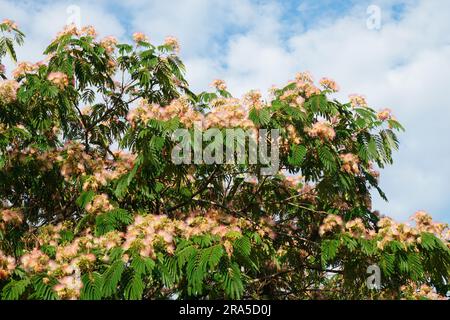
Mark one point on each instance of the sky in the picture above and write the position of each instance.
(396, 53)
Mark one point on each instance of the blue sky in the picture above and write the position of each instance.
(403, 65)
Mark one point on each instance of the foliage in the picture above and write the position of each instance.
(93, 207)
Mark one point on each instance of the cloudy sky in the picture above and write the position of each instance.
(395, 52)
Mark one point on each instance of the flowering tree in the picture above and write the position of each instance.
(94, 207)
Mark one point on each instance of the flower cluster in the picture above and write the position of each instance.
(289, 95)
(294, 99)
(252, 100)
(293, 135)
(180, 108)
(219, 84)
(75, 161)
(350, 163)
(293, 182)
(24, 68)
(424, 291)
(96, 171)
(10, 216)
(391, 230)
(265, 227)
(424, 223)
(329, 84)
(140, 37)
(173, 43)
(331, 223)
(68, 30)
(357, 229)
(100, 204)
(150, 231)
(35, 261)
(59, 79)
(388, 230)
(73, 30)
(106, 170)
(227, 113)
(307, 192)
(322, 130)
(305, 83)
(147, 235)
(8, 91)
(89, 31)
(384, 114)
(70, 258)
(50, 234)
(65, 268)
(7, 265)
(10, 24)
(109, 44)
(92, 169)
(357, 101)
(69, 287)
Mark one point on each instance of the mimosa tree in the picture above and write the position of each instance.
(93, 205)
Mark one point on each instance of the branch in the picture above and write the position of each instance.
(199, 191)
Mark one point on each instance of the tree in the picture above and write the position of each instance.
(94, 207)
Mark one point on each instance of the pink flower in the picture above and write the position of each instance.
(70, 29)
(109, 43)
(219, 84)
(10, 24)
(357, 100)
(330, 223)
(384, 114)
(329, 84)
(13, 216)
(321, 129)
(59, 79)
(24, 68)
(8, 90)
(140, 37)
(172, 42)
(350, 163)
(89, 31)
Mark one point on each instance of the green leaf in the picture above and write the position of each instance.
(84, 198)
(232, 283)
(14, 289)
(125, 180)
(134, 288)
(329, 250)
(327, 158)
(92, 286)
(298, 153)
(43, 290)
(243, 246)
(111, 278)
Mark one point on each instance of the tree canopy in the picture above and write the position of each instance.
(94, 207)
